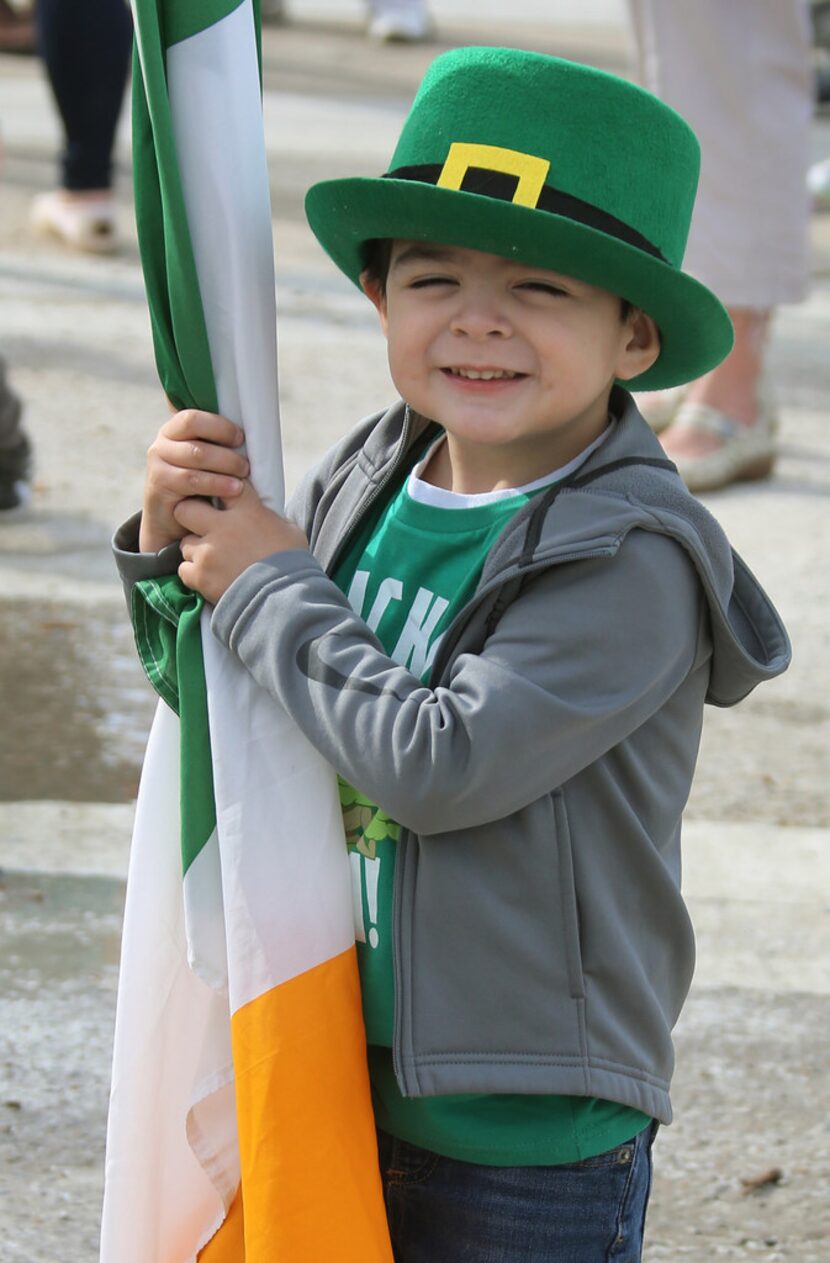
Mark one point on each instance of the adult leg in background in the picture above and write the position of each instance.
(741, 74)
(85, 46)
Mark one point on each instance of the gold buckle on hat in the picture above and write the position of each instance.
(530, 171)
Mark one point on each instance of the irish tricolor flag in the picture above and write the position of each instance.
(240, 1121)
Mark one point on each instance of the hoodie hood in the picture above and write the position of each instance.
(629, 484)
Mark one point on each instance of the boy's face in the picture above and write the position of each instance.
(515, 362)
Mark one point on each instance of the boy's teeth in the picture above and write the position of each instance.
(487, 376)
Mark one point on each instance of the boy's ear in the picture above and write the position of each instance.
(373, 290)
(641, 347)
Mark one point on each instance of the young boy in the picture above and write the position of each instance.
(497, 612)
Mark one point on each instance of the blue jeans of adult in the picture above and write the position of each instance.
(85, 46)
(444, 1211)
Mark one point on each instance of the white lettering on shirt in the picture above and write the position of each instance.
(389, 590)
(413, 649)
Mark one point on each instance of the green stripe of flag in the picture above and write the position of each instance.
(176, 313)
(166, 615)
(166, 619)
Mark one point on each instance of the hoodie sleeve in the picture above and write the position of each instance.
(585, 655)
(134, 565)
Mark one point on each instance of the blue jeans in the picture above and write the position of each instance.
(444, 1211)
(86, 47)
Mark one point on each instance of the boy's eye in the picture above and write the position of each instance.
(423, 282)
(544, 287)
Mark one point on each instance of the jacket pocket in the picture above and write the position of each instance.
(568, 901)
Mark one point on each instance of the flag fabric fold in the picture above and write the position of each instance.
(240, 1124)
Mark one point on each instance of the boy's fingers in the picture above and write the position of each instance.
(197, 516)
(188, 545)
(187, 574)
(199, 454)
(246, 494)
(192, 423)
(196, 482)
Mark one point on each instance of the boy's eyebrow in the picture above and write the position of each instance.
(424, 253)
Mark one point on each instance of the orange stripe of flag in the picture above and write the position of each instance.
(228, 1244)
(307, 1141)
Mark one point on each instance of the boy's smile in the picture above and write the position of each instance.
(515, 362)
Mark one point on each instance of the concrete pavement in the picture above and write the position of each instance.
(751, 1087)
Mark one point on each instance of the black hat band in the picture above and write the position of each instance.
(501, 185)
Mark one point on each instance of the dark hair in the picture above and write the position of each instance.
(378, 255)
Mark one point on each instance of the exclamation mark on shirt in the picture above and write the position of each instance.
(371, 874)
(357, 863)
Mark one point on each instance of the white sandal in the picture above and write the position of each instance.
(745, 453)
(89, 226)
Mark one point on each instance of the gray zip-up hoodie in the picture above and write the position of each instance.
(541, 941)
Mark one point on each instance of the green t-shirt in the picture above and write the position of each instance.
(417, 569)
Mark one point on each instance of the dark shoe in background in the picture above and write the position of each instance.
(15, 451)
(820, 15)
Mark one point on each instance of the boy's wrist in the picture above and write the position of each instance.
(133, 563)
(151, 538)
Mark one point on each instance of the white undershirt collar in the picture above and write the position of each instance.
(439, 498)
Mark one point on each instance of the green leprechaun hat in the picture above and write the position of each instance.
(556, 165)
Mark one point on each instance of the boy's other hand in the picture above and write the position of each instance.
(218, 544)
(194, 454)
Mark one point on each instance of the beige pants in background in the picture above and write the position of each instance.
(740, 72)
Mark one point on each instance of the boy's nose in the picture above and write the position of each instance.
(479, 316)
